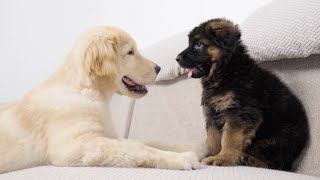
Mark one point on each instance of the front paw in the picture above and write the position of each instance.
(180, 161)
(221, 160)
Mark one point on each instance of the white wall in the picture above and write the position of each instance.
(36, 34)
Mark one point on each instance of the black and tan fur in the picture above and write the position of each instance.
(252, 118)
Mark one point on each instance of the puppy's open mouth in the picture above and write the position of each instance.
(194, 72)
(134, 87)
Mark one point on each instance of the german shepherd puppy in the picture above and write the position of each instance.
(252, 118)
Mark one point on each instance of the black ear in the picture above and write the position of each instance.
(223, 32)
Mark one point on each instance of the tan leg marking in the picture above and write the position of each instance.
(213, 140)
(234, 140)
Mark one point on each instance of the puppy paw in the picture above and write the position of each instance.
(192, 160)
(180, 161)
(221, 160)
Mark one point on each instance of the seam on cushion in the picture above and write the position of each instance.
(129, 119)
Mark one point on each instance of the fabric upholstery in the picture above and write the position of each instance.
(121, 110)
(170, 113)
(164, 54)
(283, 29)
(96, 173)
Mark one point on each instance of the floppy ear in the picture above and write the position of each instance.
(100, 57)
(223, 32)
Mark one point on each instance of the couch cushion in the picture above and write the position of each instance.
(96, 173)
(120, 112)
(283, 29)
(164, 54)
(171, 112)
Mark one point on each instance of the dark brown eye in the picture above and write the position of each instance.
(198, 45)
(130, 52)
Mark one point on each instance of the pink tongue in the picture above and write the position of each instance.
(191, 72)
(129, 82)
(143, 87)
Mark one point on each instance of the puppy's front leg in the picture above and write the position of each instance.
(213, 140)
(101, 151)
(237, 135)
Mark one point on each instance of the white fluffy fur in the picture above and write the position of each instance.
(61, 121)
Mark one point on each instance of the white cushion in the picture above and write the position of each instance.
(96, 173)
(171, 113)
(120, 113)
(164, 54)
(283, 29)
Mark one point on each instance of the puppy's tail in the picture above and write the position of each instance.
(201, 150)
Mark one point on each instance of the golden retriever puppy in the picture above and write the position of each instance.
(61, 121)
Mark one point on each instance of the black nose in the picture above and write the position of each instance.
(157, 68)
(178, 58)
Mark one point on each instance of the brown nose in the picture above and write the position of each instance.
(157, 68)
